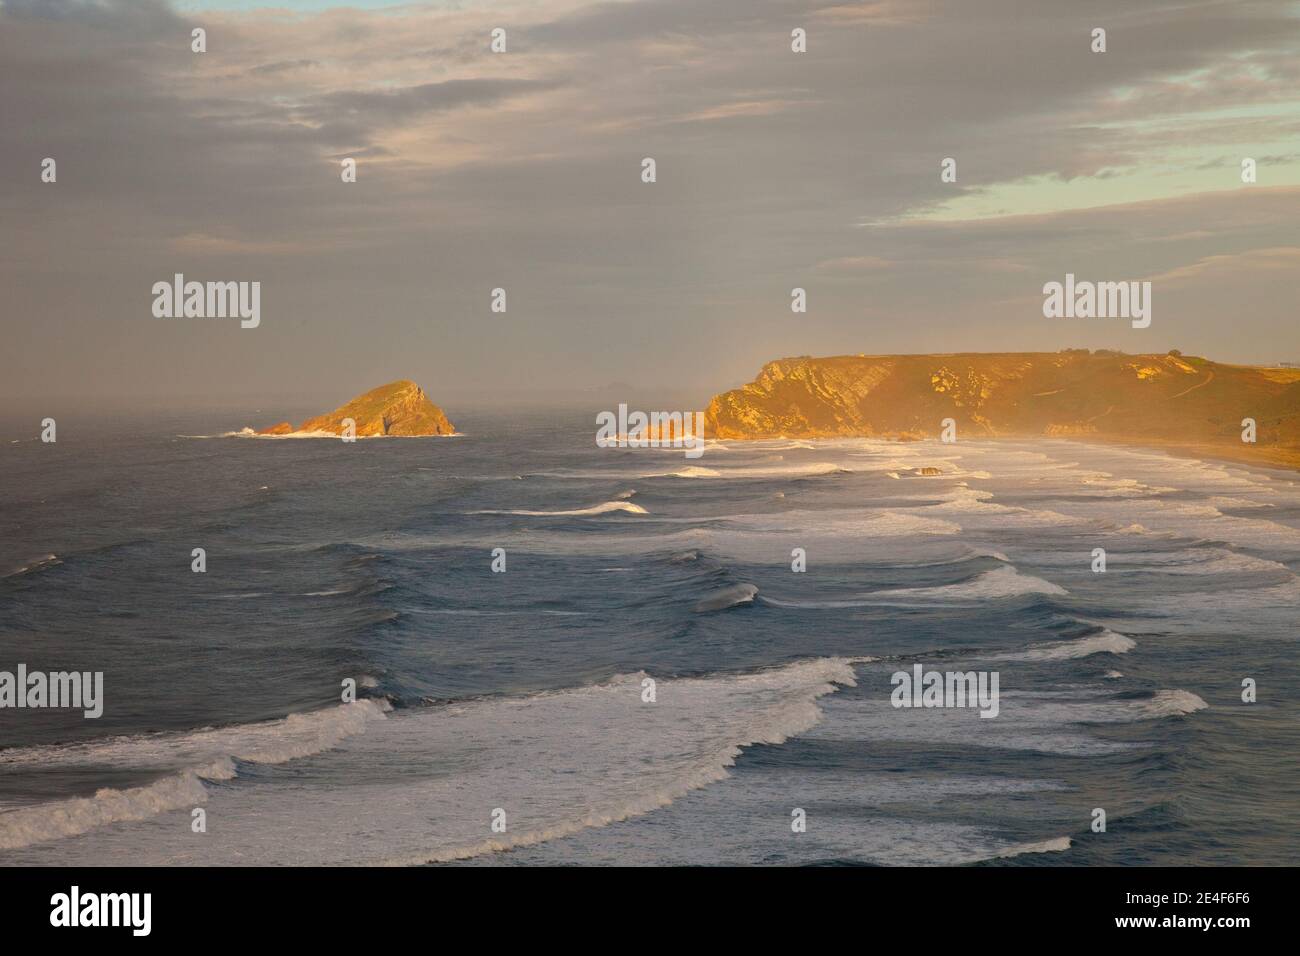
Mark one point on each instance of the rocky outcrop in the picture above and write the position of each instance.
(1167, 400)
(399, 408)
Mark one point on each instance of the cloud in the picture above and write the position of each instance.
(1236, 267)
(522, 170)
(390, 107)
(266, 69)
(857, 264)
(738, 109)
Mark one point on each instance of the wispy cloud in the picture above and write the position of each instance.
(775, 169)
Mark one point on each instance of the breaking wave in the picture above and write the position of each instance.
(1106, 642)
(556, 762)
(38, 564)
(600, 509)
(203, 755)
(727, 597)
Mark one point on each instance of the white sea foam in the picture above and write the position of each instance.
(882, 537)
(1000, 582)
(1033, 720)
(1173, 703)
(1206, 561)
(247, 432)
(727, 597)
(25, 826)
(1105, 642)
(421, 785)
(187, 759)
(1056, 845)
(761, 469)
(809, 470)
(33, 565)
(732, 823)
(1233, 502)
(977, 511)
(270, 741)
(1193, 474)
(1195, 520)
(603, 508)
(843, 522)
(1105, 485)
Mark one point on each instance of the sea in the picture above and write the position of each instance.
(572, 655)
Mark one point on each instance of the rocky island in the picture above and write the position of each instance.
(399, 409)
(1171, 400)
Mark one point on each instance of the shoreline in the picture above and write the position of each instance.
(1269, 457)
(1287, 460)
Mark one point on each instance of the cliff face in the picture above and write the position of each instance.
(398, 408)
(1157, 399)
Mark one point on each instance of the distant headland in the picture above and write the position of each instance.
(1179, 402)
(397, 409)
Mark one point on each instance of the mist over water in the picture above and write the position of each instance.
(523, 690)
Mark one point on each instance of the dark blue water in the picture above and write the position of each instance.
(523, 691)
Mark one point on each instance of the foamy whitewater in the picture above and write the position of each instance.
(525, 692)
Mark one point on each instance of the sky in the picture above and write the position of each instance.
(522, 170)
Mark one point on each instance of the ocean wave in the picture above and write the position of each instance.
(1056, 845)
(1040, 721)
(810, 470)
(777, 704)
(33, 566)
(1198, 522)
(1173, 703)
(600, 509)
(1106, 485)
(1001, 582)
(1158, 705)
(65, 818)
(727, 597)
(421, 786)
(970, 503)
(1208, 561)
(247, 432)
(855, 523)
(1231, 502)
(364, 588)
(1195, 474)
(1105, 642)
(202, 755)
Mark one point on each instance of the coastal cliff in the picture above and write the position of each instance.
(399, 408)
(1160, 400)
